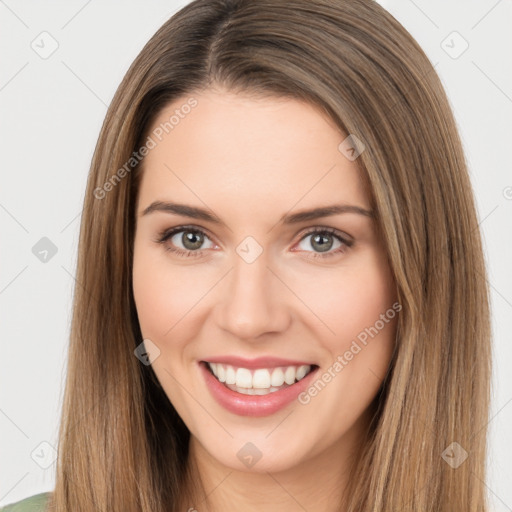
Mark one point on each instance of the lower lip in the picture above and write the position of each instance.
(254, 405)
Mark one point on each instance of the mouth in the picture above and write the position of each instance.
(259, 381)
(258, 388)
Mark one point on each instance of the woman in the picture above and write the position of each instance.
(282, 289)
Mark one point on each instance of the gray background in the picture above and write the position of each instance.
(51, 112)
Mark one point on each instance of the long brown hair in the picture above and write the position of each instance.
(122, 446)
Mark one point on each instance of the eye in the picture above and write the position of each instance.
(185, 241)
(189, 241)
(322, 240)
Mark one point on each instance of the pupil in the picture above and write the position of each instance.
(322, 246)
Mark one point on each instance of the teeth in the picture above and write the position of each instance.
(289, 375)
(221, 373)
(302, 371)
(258, 382)
(277, 377)
(230, 375)
(243, 378)
(261, 379)
(251, 391)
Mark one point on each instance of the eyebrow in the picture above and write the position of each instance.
(294, 218)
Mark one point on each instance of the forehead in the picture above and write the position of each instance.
(236, 148)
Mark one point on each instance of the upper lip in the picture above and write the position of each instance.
(258, 362)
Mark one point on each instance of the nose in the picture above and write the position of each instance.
(253, 301)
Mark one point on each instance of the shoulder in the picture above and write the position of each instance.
(35, 503)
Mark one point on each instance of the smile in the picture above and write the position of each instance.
(261, 381)
(267, 386)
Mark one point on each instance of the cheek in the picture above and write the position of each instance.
(358, 309)
(350, 299)
(162, 296)
(366, 298)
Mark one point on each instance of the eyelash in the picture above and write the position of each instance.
(169, 233)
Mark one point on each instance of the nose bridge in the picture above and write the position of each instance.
(251, 304)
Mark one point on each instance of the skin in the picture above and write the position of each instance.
(250, 161)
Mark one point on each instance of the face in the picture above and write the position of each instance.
(273, 326)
